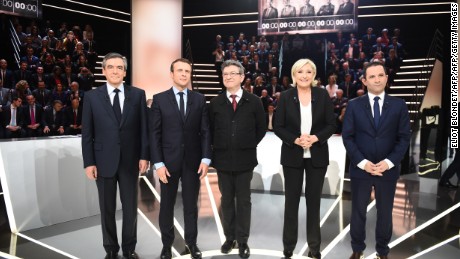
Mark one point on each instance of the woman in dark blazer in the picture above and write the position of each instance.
(304, 122)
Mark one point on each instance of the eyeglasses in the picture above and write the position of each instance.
(231, 74)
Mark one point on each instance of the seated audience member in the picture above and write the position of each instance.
(243, 52)
(319, 83)
(55, 78)
(270, 116)
(252, 52)
(266, 99)
(397, 47)
(73, 115)
(258, 86)
(83, 62)
(85, 79)
(215, 43)
(22, 73)
(339, 101)
(31, 60)
(378, 46)
(48, 63)
(36, 38)
(52, 40)
(346, 70)
(33, 117)
(54, 120)
(59, 53)
(263, 41)
(240, 41)
(392, 64)
(257, 65)
(248, 85)
(79, 51)
(21, 90)
(90, 47)
(348, 87)
(5, 94)
(42, 95)
(360, 92)
(59, 94)
(378, 57)
(275, 52)
(359, 64)
(263, 53)
(39, 75)
(385, 37)
(6, 75)
(21, 34)
(69, 43)
(273, 87)
(351, 48)
(271, 64)
(74, 92)
(68, 77)
(276, 98)
(44, 49)
(331, 86)
(286, 83)
(230, 51)
(369, 40)
(13, 119)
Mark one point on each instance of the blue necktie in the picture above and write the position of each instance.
(376, 111)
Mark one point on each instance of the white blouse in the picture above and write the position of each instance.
(305, 124)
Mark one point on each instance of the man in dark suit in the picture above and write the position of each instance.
(73, 114)
(346, 8)
(270, 12)
(351, 48)
(115, 149)
(307, 9)
(13, 119)
(42, 95)
(33, 117)
(54, 120)
(39, 75)
(288, 10)
(327, 9)
(180, 145)
(22, 73)
(6, 75)
(238, 125)
(376, 135)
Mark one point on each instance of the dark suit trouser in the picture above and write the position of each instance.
(384, 196)
(190, 189)
(293, 181)
(235, 188)
(107, 189)
(453, 168)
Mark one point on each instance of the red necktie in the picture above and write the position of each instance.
(234, 103)
(32, 115)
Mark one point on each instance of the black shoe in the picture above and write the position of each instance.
(448, 184)
(194, 251)
(314, 255)
(166, 253)
(111, 255)
(227, 246)
(244, 251)
(288, 253)
(130, 255)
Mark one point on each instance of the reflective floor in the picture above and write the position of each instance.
(425, 226)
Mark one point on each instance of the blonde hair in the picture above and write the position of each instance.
(298, 65)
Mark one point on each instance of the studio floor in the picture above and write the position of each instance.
(424, 226)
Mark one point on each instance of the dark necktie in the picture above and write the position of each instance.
(376, 111)
(181, 103)
(32, 115)
(116, 105)
(234, 103)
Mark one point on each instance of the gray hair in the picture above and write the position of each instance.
(112, 55)
(230, 62)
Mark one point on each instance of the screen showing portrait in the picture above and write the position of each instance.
(307, 16)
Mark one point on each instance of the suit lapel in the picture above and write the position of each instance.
(296, 102)
(367, 109)
(104, 96)
(127, 104)
(385, 107)
(190, 96)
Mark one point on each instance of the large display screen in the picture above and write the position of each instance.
(307, 16)
(25, 8)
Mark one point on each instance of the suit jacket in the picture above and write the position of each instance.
(176, 140)
(5, 96)
(355, 50)
(6, 116)
(346, 8)
(38, 115)
(270, 13)
(53, 122)
(236, 134)
(8, 79)
(363, 140)
(43, 99)
(287, 126)
(307, 10)
(26, 75)
(105, 140)
(69, 116)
